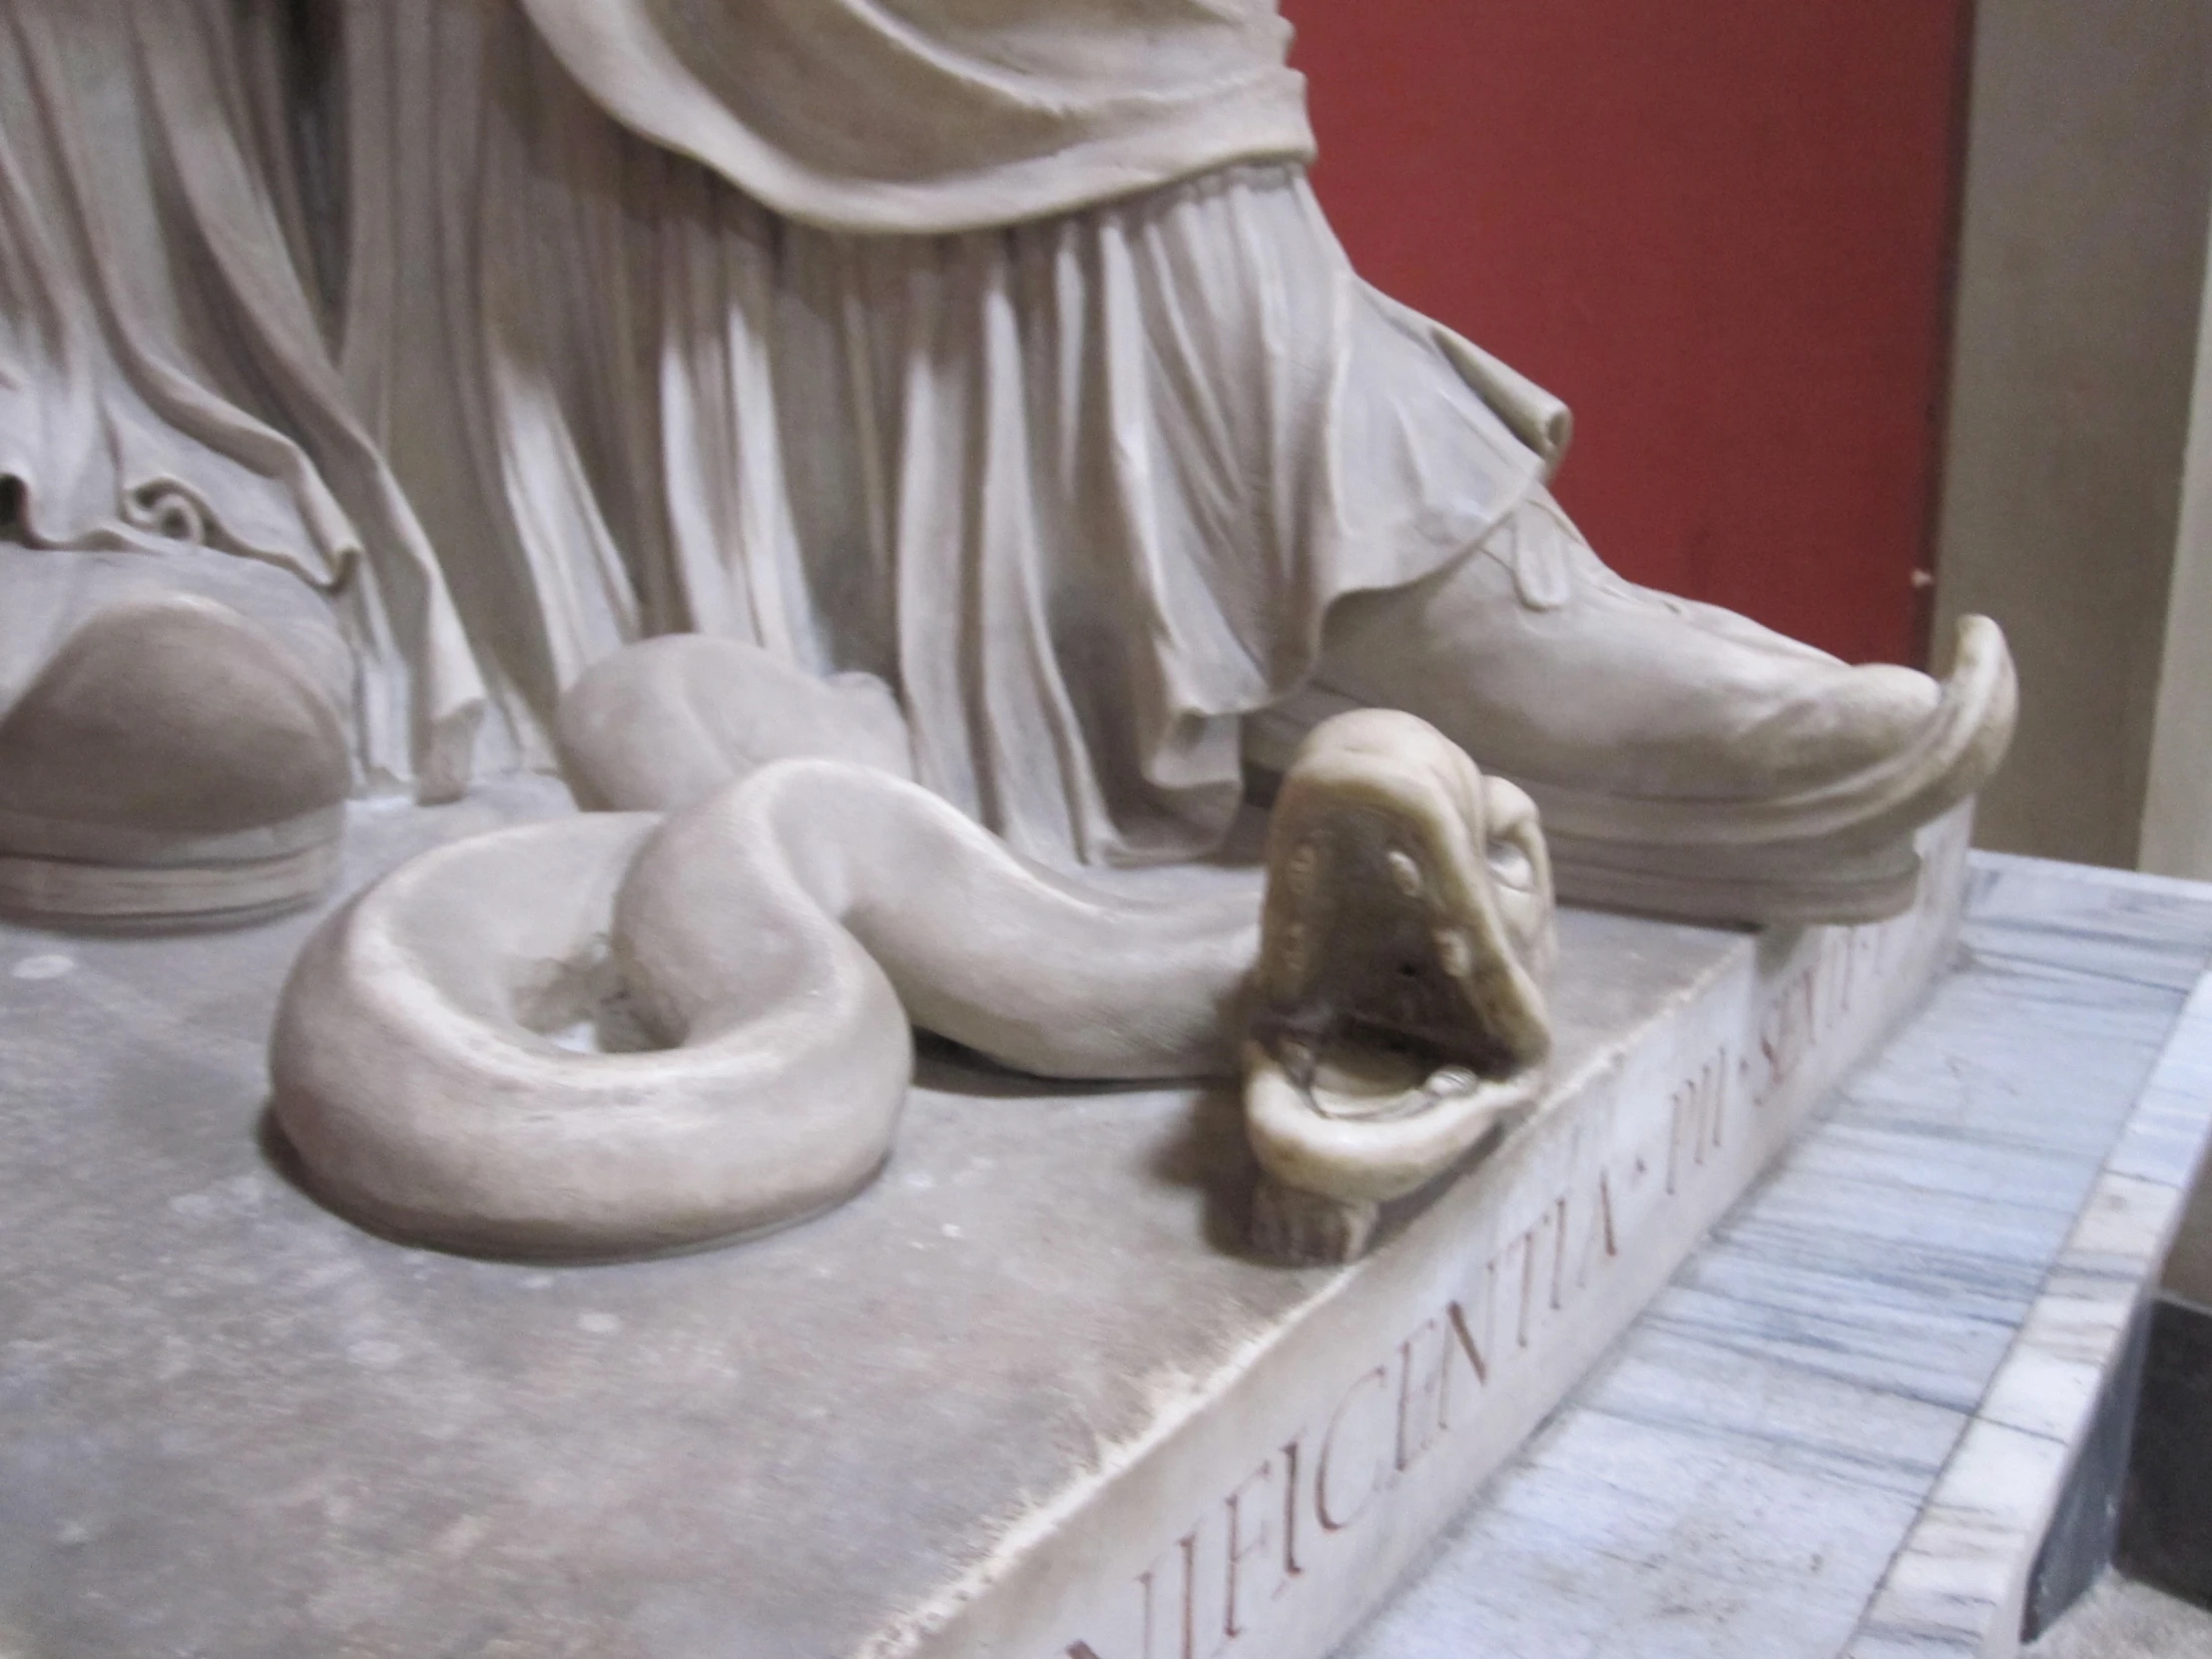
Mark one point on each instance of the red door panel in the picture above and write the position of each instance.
(1721, 230)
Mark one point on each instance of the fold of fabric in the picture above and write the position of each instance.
(1079, 489)
(165, 382)
(914, 116)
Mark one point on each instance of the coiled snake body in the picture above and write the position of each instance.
(627, 1032)
(760, 954)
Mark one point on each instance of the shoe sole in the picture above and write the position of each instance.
(1806, 886)
(80, 893)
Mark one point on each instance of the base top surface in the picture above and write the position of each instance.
(236, 1425)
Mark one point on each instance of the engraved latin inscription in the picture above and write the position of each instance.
(1207, 1589)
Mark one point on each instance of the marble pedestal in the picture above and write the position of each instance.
(1023, 1397)
(1884, 1409)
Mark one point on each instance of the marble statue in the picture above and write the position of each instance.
(631, 1032)
(1006, 473)
(1398, 998)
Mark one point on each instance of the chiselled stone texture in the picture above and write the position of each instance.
(1019, 1391)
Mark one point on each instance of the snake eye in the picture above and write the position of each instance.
(1510, 865)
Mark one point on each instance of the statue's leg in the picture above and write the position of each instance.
(173, 423)
(1686, 759)
(171, 743)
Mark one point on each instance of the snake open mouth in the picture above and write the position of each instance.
(1388, 1014)
(1398, 1012)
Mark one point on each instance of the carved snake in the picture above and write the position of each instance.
(624, 1033)
(772, 945)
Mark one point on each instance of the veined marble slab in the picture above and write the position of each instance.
(1843, 1427)
(1021, 1398)
(1959, 1585)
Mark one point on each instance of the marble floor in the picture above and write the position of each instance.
(2123, 1620)
(1842, 1427)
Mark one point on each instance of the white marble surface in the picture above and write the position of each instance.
(1842, 1427)
(1108, 446)
(1269, 1500)
(1017, 1394)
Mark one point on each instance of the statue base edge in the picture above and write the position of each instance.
(1024, 1397)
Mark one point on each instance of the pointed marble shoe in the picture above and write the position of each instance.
(1840, 849)
(171, 763)
(1398, 1012)
(1833, 846)
(1687, 760)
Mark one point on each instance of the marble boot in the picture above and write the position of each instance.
(1687, 761)
(173, 761)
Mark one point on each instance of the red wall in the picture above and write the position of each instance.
(1720, 231)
